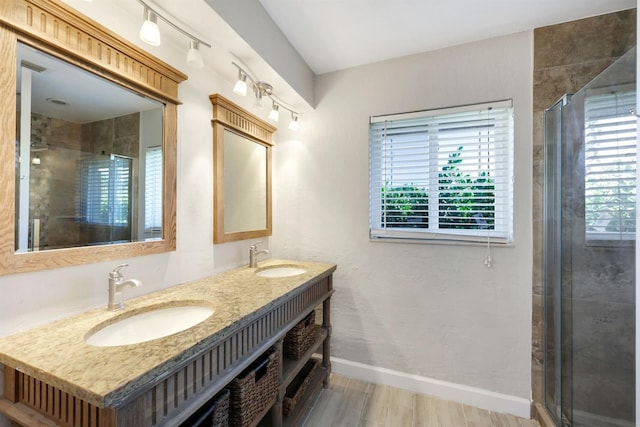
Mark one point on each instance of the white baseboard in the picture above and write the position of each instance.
(473, 396)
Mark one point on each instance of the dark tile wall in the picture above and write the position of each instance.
(53, 182)
(566, 57)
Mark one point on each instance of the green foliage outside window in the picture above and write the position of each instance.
(465, 202)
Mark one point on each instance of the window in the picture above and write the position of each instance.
(104, 191)
(610, 165)
(442, 174)
(153, 191)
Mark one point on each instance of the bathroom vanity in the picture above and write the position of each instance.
(52, 376)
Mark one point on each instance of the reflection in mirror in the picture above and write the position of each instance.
(245, 184)
(88, 158)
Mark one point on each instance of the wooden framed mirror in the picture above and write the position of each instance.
(242, 146)
(59, 141)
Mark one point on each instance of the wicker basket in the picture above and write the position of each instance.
(214, 413)
(298, 386)
(254, 389)
(301, 337)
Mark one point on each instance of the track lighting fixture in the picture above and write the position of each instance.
(241, 85)
(274, 114)
(150, 34)
(194, 57)
(293, 125)
(262, 90)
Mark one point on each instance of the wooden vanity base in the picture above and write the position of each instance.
(175, 395)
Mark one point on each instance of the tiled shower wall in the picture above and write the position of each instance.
(566, 57)
(53, 181)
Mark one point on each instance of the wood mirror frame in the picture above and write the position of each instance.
(60, 31)
(228, 116)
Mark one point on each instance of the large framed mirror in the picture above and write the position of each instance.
(242, 146)
(89, 142)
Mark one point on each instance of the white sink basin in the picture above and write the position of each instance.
(149, 325)
(280, 271)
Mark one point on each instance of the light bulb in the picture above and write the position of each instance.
(241, 85)
(258, 103)
(294, 122)
(274, 114)
(194, 57)
(149, 32)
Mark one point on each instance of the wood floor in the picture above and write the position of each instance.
(354, 403)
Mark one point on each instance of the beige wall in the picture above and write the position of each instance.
(429, 310)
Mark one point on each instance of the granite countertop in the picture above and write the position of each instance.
(57, 354)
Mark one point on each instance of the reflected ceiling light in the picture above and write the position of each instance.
(241, 85)
(262, 90)
(274, 114)
(293, 125)
(194, 57)
(35, 160)
(150, 33)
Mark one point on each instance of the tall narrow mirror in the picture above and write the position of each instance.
(242, 162)
(88, 158)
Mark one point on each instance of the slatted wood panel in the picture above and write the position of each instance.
(63, 408)
(231, 115)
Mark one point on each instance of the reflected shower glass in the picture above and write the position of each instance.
(98, 175)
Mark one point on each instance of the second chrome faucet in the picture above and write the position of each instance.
(116, 288)
(253, 254)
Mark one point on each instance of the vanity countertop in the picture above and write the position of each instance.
(57, 354)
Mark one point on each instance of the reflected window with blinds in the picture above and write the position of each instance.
(104, 191)
(610, 165)
(153, 192)
(443, 174)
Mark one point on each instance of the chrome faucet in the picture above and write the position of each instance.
(253, 254)
(116, 288)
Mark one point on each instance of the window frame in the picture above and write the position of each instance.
(502, 141)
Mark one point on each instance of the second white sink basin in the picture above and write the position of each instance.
(280, 271)
(149, 325)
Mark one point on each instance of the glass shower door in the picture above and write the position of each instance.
(589, 252)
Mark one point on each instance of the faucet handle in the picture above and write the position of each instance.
(255, 245)
(115, 273)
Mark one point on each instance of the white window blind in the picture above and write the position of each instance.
(442, 174)
(104, 191)
(610, 165)
(153, 190)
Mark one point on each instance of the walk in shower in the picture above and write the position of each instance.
(589, 251)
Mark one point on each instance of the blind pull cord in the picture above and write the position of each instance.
(487, 259)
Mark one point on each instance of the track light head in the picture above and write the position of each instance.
(149, 32)
(261, 90)
(241, 85)
(194, 56)
(294, 122)
(274, 114)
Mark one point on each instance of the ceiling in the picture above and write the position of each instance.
(61, 90)
(329, 35)
(337, 34)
